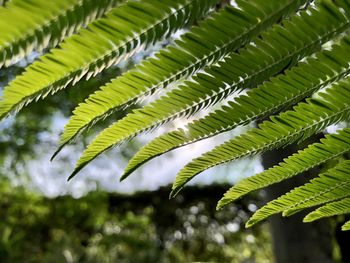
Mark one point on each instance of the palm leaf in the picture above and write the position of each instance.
(22, 32)
(295, 125)
(331, 147)
(102, 44)
(329, 186)
(269, 98)
(266, 57)
(331, 209)
(219, 34)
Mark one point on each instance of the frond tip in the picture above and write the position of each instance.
(346, 226)
(328, 210)
(332, 185)
(333, 146)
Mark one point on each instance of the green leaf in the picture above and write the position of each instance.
(333, 146)
(346, 226)
(281, 92)
(205, 44)
(328, 210)
(278, 48)
(292, 126)
(123, 30)
(329, 186)
(28, 25)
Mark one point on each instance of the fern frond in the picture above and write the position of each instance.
(328, 210)
(333, 146)
(329, 186)
(22, 31)
(283, 91)
(346, 226)
(219, 34)
(256, 63)
(103, 43)
(305, 119)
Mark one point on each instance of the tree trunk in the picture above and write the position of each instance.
(293, 240)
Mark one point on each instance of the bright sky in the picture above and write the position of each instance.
(50, 177)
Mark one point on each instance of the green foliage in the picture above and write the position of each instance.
(250, 46)
(101, 228)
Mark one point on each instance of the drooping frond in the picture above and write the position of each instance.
(219, 34)
(271, 97)
(103, 43)
(278, 48)
(295, 125)
(328, 210)
(333, 146)
(28, 25)
(329, 186)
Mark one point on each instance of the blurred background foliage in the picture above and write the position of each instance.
(107, 227)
